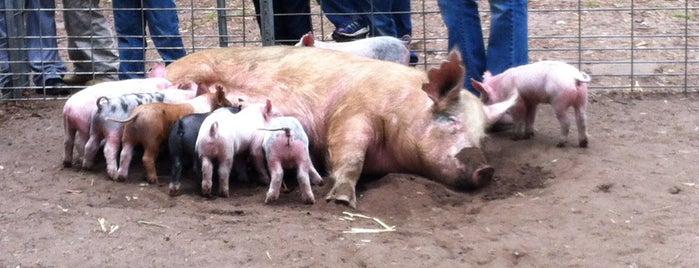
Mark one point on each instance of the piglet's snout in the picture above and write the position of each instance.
(477, 172)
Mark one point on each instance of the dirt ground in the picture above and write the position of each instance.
(629, 200)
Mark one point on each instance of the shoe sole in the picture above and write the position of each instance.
(357, 33)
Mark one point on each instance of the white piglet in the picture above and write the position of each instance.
(223, 135)
(285, 146)
(386, 48)
(553, 82)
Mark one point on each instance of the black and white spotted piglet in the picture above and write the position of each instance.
(119, 108)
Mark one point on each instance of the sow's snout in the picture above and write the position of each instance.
(478, 172)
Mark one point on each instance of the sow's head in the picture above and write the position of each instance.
(450, 145)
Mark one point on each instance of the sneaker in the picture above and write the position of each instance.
(356, 29)
(54, 86)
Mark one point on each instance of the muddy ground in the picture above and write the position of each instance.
(629, 200)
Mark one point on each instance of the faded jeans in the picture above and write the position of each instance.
(507, 43)
(40, 40)
(130, 20)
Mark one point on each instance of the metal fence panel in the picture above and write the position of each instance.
(623, 45)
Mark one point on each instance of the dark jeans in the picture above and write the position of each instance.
(292, 20)
(386, 17)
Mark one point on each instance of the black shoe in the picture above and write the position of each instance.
(413, 58)
(54, 86)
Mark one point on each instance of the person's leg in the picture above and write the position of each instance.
(339, 12)
(163, 25)
(380, 18)
(130, 29)
(5, 78)
(43, 49)
(402, 19)
(404, 23)
(465, 33)
(288, 29)
(91, 45)
(507, 44)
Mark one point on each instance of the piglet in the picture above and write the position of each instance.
(78, 109)
(554, 82)
(149, 125)
(223, 135)
(181, 145)
(386, 48)
(285, 146)
(119, 108)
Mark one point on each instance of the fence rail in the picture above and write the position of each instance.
(624, 45)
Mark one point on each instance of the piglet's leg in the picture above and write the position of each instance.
(80, 142)
(347, 145)
(562, 115)
(224, 172)
(207, 169)
(305, 186)
(277, 173)
(126, 154)
(91, 149)
(149, 154)
(68, 143)
(529, 121)
(581, 122)
(111, 150)
(315, 178)
(176, 171)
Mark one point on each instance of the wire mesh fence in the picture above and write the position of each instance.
(646, 45)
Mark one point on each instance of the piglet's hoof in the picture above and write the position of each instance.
(174, 189)
(342, 194)
(67, 164)
(583, 144)
(152, 180)
(224, 194)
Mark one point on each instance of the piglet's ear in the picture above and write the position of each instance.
(308, 40)
(483, 89)
(158, 71)
(268, 110)
(446, 82)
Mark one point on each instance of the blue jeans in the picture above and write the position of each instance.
(389, 17)
(130, 20)
(42, 49)
(507, 44)
(334, 10)
(376, 12)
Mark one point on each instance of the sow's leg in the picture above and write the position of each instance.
(347, 144)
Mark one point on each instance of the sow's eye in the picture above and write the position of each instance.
(450, 123)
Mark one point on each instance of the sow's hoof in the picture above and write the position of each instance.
(342, 193)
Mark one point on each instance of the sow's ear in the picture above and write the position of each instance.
(446, 82)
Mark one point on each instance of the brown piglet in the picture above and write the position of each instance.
(149, 125)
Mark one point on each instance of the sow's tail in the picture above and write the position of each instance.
(133, 117)
(494, 111)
